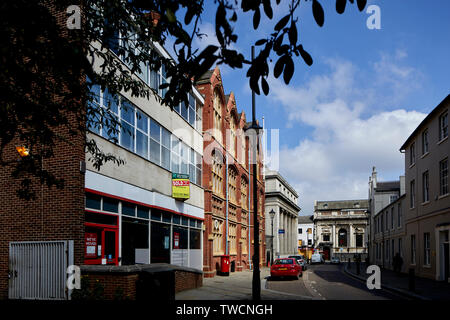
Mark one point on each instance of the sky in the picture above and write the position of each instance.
(365, 93)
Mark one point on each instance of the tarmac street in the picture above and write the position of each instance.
(319, 282)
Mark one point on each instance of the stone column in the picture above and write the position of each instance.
(334, 238)
(351, 242)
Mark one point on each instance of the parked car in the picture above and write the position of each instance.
(286, 267)
(301, 260)
(335, 260)
(317, 258)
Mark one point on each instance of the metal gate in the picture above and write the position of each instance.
(37, 270)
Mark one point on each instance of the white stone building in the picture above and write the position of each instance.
(281, 199)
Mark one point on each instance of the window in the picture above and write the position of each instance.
(443, 126)
(386, 251)
(413, 249)
(412, 197)
(359, 240)
(232, 134)
(393, 198)
(399, 215)
(300, 230)
(425, 141)
(244, 199)
(217, 105)
(165, 148)
(217, 175)
(175, 154)
(425, 187)
(142, 134)
(412, 154)
(326, 237)
(155, 142)
(244, 239)
(392, 218)
(443, 177)
(195, 167)
(400, 247)
(427, 249)
(232, 185)
(232, 238)
(217, 236)
(127, 116)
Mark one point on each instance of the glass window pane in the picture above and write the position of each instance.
(198, 178)
(142, 212)
(155, 130)
(175, 163)
(93, 201)
(175, 144)
(165, 138)
(127, 136)
(194, 239)
(155, 151)
(192, 223)
(156, 215)
(143, 72)
(184, 110)
(176, 219)
(177, 108)
(142, 123)
(110, 130)
(141, 144)
(127, 111)
(110, 102)
(191, 116)
(167, 217)
(184, 221)
(111, 205)
(192, 175)
(165, 158)
(128, 209)
(154, 79)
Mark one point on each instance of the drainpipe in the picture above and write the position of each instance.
(226, 179)
(249, 211)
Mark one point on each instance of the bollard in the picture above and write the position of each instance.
(412, 285)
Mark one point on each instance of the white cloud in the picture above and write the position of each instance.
(349, 138)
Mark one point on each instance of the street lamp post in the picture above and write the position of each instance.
(255, 128)
(272, 215)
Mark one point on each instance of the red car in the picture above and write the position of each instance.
(286, 267)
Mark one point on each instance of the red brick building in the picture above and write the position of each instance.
(227, 182)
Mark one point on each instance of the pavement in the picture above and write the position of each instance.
(236, 286)
(425, 289)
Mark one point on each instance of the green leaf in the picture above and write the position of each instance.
(340, 6)
(282, 23)
(318, 13)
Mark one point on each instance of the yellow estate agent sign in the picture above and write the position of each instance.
(180, 186)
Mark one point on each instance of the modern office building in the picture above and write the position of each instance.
(147, 210)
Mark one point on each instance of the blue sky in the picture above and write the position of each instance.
(354, 107)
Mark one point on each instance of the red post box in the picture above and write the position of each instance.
(225, 265)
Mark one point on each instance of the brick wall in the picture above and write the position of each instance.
(211, 262)
(54, 214)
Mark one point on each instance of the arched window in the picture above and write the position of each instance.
(217, 105)
(232, 146)
(232, 174)
(342, 238)
(217, 174)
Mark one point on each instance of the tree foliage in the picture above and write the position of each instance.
(44, 65)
